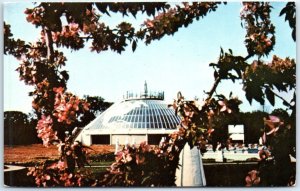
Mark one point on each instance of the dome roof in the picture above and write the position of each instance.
(144, 113)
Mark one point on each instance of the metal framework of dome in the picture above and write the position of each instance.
(143, 117)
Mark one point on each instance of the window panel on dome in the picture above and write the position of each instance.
(138, 118)
(157, 125)
(155, 114)
(153, 125)
(151, 111)
(158, 115)
(165, 119)
(118, 118)
(144, 125)
(138, 114)
(130, 118)
(172, 116)
(134, 116)
(164, 125)
(151, 118)
(161, 106)
(143, 113)
(110, 120)
(130, 112)
(176, 120)
(126, 117)
(113, 119)
(163, 122)
(139, 111)
(148, 119)
(169, 119)
(168, 112)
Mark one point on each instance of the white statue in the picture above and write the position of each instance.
(191, 171)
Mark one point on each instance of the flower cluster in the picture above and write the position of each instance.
(67, 105)
(197, 117)
(68, 36)
(260, 37)
(35, 15)
(264, 154)
(45, 131)
(252, 179)
(249, 8)
(63, 172)
(54, 174)
(168, 22)
(144, 165)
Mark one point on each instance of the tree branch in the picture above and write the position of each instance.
(247, 57)
(218, 80)
(213, 89)
(280, 97)
(49, 44)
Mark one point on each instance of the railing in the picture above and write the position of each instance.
(158, 95)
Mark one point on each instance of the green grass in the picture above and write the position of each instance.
(102, 163)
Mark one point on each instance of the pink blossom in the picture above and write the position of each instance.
(252, 178)
(45, 131)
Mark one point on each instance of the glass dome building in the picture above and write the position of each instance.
(135, 119)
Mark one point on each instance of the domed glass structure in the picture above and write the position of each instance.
(137, 118)
(137, 113)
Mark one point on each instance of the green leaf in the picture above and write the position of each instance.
(230, 51)
(65, 75)
(222, 52)
(179, 95)
(248, 95)
(283, 11)
(134, 45)
(258, 96)
(270, 96)
(294, 35)
(213, 64)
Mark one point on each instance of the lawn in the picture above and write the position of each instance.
(37, 153)
(31, 155)
(217, 174)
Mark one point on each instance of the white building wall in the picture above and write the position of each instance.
(128, 139)
(86, 139)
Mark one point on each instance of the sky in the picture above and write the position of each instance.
(174, 63)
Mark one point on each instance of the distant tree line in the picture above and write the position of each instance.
(20, 128)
